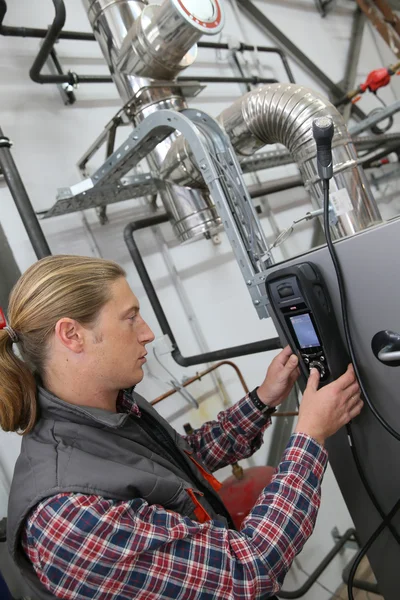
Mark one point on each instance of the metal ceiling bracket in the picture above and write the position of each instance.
(217, 161)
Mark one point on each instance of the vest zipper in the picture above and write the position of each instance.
(151, 426)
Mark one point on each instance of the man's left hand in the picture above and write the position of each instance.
(281, 375)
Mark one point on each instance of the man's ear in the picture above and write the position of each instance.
(71, 334)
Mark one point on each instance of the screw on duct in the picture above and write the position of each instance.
(162, 41)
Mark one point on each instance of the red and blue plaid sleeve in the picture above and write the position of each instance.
(237, 434)
(88, 547)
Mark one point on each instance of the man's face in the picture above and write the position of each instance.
(120, 335)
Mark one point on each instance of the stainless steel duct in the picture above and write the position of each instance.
(162, 41)
(283, 113)
(192, 212)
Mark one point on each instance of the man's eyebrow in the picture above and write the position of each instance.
(134, 308)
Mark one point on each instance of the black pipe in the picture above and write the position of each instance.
(33, 32)
(253, 80)
(46, 48)
(248, 48)
(67, 94)
(372, 157)
(275, 185)
(184, 361)
(240, 69)
(358, 583)
(21, 199)
(3, 10)
(55, 33)
(321, 567)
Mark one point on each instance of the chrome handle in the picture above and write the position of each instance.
(388, 355)
(386, 346)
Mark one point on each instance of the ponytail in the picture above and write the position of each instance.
(53, 288)
(17, 390)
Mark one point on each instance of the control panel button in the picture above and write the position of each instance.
(285, 291)
(317, 365)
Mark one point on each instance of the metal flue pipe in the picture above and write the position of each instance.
(192, 212)
(162, 41)
(283, 113)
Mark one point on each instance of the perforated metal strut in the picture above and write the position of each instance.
(216, 160)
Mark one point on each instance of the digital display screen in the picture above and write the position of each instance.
(305, 331)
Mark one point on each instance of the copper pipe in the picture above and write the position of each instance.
(199, 376)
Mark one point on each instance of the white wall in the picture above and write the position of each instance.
(49, 138)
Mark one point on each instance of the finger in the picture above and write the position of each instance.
(353, 402)
(284, 355)
(313, 380)
(291, 364)
(347, 379)
(353, 390)
(355, 411)
(294, 376)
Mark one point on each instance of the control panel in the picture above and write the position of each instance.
(300, 302)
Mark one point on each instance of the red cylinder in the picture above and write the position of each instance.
(240, 495)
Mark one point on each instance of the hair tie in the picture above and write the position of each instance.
(13, 335)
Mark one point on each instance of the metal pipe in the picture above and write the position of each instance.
(46, 48)
(224, 353)
(241, 47)
(320, 569)
(162, 41)
(3, 10)
(277, 158)
(283, 113)
(358, 583)
(34, 32)
(375, 118)
(294, 51)
(372, 157)
(276, 185)
(21, 199)
(201, 375)
(192, 212)
(206, 79)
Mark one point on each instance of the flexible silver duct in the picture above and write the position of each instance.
(283, 113)
(192, 212)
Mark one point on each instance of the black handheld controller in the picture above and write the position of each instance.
(300, 302)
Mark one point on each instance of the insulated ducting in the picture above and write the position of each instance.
(283, 113)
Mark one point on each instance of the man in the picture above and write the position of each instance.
(108, 501)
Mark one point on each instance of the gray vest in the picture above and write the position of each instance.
(114, 455)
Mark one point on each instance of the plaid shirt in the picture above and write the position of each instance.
(85, 546)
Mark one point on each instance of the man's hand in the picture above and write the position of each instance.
(323, 412)
(281, 375)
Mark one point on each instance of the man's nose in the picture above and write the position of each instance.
(146, 335)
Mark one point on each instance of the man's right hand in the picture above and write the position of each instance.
(323, 412)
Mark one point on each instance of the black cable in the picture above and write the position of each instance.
(366, 484)
(343, 301)
(386, 521)
(367, 546)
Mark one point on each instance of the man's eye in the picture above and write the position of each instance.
(132, 318)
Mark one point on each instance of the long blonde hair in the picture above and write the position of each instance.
(57, 286)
